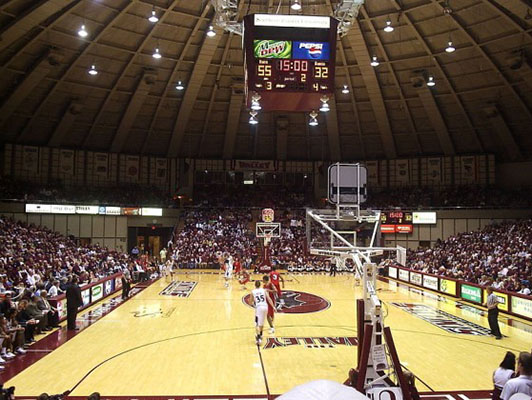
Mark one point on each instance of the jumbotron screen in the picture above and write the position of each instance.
(289, 60)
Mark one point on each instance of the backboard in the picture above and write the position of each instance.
(347, 184)
(268, 229)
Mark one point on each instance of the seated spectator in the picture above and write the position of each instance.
(17, 332)
(411, 381)
(29, 324)
(502, 374)
(523, 383)
(46, 308)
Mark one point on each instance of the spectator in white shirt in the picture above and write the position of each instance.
(523, 383)
(502, 374)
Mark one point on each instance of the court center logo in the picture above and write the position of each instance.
(179, 289)
(295, 302)
(443, 320)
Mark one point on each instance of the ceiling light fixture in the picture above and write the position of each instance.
(211, 32)
(431, 82)
(92, 70)
(153, 17)
(450, 48)
(388, 27)
(324, 105)
(296, 5)
(179, 85)
(374, 61)
(345, 89)
(255, 105)
(156, 54)
(253, 118)
(83, 32)
(313, 121)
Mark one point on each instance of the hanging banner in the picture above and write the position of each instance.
(434, 174)
(132, 168)
(372, 168)
(468, 169)
(402, 172)
(101, 164)
(161, 166)
(30, 159)
(66, 162)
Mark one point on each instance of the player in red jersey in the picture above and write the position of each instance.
(275, 277)
(237, 266)
(244, 278)
(271, 308)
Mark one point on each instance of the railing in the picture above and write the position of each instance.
(511, 303)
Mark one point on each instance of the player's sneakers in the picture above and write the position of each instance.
(272, 330)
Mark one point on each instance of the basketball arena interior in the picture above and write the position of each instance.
(266, 199)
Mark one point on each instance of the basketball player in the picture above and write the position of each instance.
(244, 278)
(228, 270)
(275, 277)
(238, 266)
(260, 300)
(272, 292)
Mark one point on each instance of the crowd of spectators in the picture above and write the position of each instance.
(499, 255)
(37, 263)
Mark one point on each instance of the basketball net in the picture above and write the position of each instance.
(267, 239)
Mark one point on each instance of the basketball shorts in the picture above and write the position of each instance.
(228, 273)
(260, 315)
(278, 290)
(271, 311)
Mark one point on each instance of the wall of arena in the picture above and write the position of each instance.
(106, 230)
(452, 222)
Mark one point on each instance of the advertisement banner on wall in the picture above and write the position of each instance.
(471, 293)
(87, 210)
(416, 278)
(38, 208)
(387, 228)
(403, 228)
(118, 283)
(96, 292)
(403, 275)
(61, 308)
(108, 287)
(448, 286)
(63, 209)
(392, 272)
(430, 282)
(424, 217)
(86, 296)
(503, 299)
(522, 306)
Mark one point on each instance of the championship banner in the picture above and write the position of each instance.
(372, 167)
(402, 172)
(66, 162)
(161, 166)
(101, 164)
(468, 169)
(254, 165)
(132, 168)
(30, 159)
(434, 174)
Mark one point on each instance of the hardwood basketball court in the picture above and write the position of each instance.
(160, 344)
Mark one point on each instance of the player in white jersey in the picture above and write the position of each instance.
(228, 270)
(260, 300)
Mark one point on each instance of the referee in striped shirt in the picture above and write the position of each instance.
(493, 312)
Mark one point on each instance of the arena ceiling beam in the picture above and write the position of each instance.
(138, 52)
(502, 131)
(203, 62)
(358, 45)
(43, 67)
(434, 115)
(65, 124)
(404, 103)
(516, 7)
(36, 14)
(146, 82)
(486, 56)
(175, 75)
(89, 46)
(233, 121)
(331, 118)
(442, 74)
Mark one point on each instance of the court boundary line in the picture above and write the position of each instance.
(264, 372)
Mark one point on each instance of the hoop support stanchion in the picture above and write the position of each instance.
(360, 329)
(397, 365)
(364, 358)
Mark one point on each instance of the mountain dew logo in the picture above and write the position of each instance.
(272, 48)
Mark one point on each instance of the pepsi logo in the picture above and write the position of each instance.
(314, 49)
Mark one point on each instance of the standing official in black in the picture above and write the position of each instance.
(333, 267)
(126, 284)
(74, 301)
(493, 313)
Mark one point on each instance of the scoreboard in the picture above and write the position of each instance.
(396, 222)
(289, 60)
